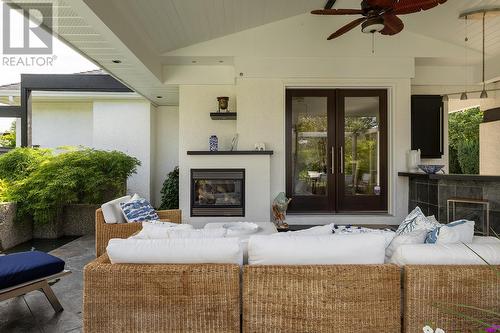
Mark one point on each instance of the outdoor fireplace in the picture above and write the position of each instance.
(217, 192)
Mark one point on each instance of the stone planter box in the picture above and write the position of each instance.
(79, 219)
(13, 232)
(72, 220)
(49, 230)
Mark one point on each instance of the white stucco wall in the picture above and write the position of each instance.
(261, 118)
(259, 94)
(57, 124)
(126, 126)
(167, 146)
(489, 149)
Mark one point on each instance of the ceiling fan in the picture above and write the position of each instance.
(378, 15)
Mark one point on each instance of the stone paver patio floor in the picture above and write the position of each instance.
(33, 313)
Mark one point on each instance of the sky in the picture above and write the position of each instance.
(66, 59)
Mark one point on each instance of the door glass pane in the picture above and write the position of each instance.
(309, 146)
(361, 146)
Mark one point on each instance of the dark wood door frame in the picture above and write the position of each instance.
(363, 203)
(315, 203)
(336, 201)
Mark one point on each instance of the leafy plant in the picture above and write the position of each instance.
(82, 176)
(8, 139)
(170, 191)
(463, 134)
(19, 163)
(454, 164)
(468, 157)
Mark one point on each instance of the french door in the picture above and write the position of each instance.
(336, 150)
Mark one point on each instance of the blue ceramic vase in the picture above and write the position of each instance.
(213, 143)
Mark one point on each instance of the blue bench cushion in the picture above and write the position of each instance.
(23, 267)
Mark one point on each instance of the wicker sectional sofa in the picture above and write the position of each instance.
(294, 298)
(104, 231)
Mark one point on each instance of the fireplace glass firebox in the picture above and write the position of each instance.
(217, 192)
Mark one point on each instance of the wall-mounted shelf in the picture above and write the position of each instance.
(230, 152)
(223, 115)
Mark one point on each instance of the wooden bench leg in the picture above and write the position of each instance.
(51, 297)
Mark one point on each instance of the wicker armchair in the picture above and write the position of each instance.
(424, 286)
(322, 298)
(160, 298)
(105, 231)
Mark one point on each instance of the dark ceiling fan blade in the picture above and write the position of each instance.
(380, 3)
(392, 25)
(346, 28)
(413, 6)
(329, 4)
(337, 11)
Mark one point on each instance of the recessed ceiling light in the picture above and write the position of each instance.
(116, 61)
(159, 96)
(194, 61)
(221, 61)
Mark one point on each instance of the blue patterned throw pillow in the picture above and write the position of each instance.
(138, 211)
(453, 232)
(416, 220)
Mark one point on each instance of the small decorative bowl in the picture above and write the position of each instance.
(431, 169)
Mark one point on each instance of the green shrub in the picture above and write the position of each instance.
(468, 157)
(8, 139)
(463, 134)
(170, 191)
(454, 164)
(82, 176)
(19, 163)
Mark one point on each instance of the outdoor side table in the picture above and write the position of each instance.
(484, 203)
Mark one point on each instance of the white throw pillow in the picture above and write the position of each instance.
(446, 254)
(317, 250)
(416, 220)
(112, 211)
(175, 251)
(159, 230)
(461, 231)
(414, 237)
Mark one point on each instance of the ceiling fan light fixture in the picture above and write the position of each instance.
(463, 96)
(372, 25)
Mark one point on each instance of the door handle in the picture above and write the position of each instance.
(341, 159)
(333, 160)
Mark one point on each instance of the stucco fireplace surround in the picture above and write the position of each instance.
(257, 182)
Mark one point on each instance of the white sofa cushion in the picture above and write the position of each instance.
(461, 231)
(366, 248)
(414, 237)
(322, 230)
(159, 230)
(112, 211)
(446, 254)
(196, 233)
(485, 240)
(175, 251)
(331, 229)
